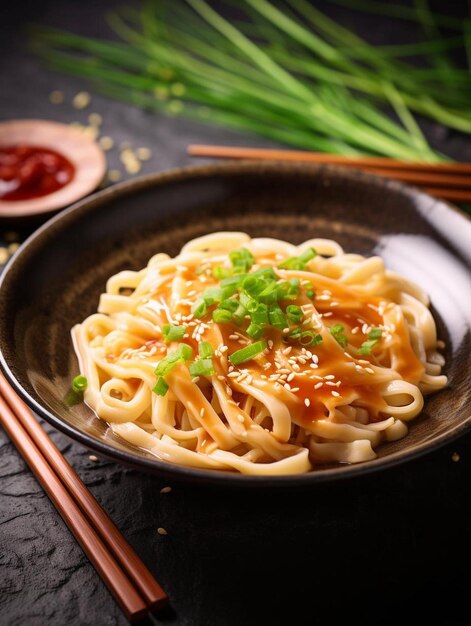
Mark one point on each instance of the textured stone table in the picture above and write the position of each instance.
(363, 548)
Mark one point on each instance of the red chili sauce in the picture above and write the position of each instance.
(28, 171)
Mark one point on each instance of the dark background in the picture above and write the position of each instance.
(362, 550)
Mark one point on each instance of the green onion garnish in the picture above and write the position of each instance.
(294, 313)
(241, 259)
(374, 336)
(277, 317)
(200, 309)
(180, 355)
(248, 353)
(222, 316)
(202, 367)
(375, 333)
(338, 334)
(367, 346)
(205, 349)
(160, 387)
(298, 262)
(254, 330)
(173, 333)
(79, 384)
(309, 290)
(308, 338)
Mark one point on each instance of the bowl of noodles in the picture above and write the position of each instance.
(246, 323)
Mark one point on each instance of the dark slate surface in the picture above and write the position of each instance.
(362, 549)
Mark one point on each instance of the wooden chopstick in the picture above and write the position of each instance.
(125, 574)
(451, 181)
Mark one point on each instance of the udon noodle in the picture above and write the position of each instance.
(258, 356)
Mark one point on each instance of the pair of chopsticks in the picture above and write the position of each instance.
(121, 569)
(450, 181)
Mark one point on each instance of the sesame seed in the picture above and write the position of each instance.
(234, 337)
(328, 314)
(162, 531)
(287, 350)
(329, 382)
(242, 342)
(241, 418)
(363, 362)
(92, 457)
(318, 385)
(313, 366)
(285, 331)
(166, 490)
(307, 402)
(228, 391)
(294, 389)
(144, 154)
(114, 175)
(291, 376)
(221, 378)
(195, 379)
(81, 100)
(364, 329)
(95, 119)
(335, 393)
(315, 358)
(287, 386)
(355, 330)
(370, 370)
(56, 97)
(106, 143)
(329, 377)
(455, 457)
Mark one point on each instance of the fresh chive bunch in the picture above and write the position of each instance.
(291, 74)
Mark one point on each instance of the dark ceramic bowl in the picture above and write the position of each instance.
(55, 279)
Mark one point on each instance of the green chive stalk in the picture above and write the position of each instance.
(294, 75)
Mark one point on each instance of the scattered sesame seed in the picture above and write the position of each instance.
(285, 331)
(166, 490)
(355, 330)
(234, 337)
(291, 376)
(307, 402)
(106, 143)
(92, 457)
(455, 457)
(318, 385)
(162, 531)
(56, 97)
(270, 344)
(287, 386)
(81, 100)
(328, 314)
(3, 255)
(114, 175)
(287, 350)
(329, 377)
(241, 418)
(95, 119)
(335, 393)
(195, 379)
(202, 412)
(144, 154)
(370, 370)
(294, 389)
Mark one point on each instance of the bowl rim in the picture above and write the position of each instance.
(189, 474)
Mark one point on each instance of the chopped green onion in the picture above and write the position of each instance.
(242, 259)
(222, 272)
(200, 309)
(79, 384)
(375, 333)
(239, 314)
(338, 334)
(254, 330)
(295, 333)
(259, 314)
(160, 387)
(267, 273)
(212, 295)
(202, 367)
(247, 353)
(298, 262)
(277, 317)
(309, 290)
(294, 313)
(180, 355)
(308, 338)
(367, 346)
(205, 349)
(173, 333)
(222, 316)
